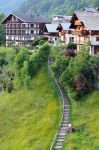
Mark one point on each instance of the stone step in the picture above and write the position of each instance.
(65, 122)
(66, 107)
(64, 125)
(65, 116)
(63, 131)
(62, 134)
(58, 147)
(59, 143)
(61, 137)
(65, 112)
(60, 140)
(64, 128)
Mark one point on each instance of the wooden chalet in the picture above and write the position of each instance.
(64, 33)
(21, 29)
(85, 28)
(50, 31)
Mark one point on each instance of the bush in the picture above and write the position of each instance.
(3, 60)
(70, 53)
(78, 73)
(72, 46)
(38, 41)
(41, 42)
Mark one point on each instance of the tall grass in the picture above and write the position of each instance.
(29, 118)
(85, 113)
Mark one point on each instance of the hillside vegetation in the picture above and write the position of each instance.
(84, 113)
(51, 7)
(29, 118)
(77, 73)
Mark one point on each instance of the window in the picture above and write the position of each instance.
(71, 39)
(23, 31)
(35, 26)
(97, 38)
(32, 25)
(32, 31)
(37, 31)
(23, 25)
(9, 38)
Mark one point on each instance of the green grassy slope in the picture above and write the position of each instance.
(87, 113)
(29, 119)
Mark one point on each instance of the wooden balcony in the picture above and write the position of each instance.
(80, 32)
(21, 28)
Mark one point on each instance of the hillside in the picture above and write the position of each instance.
(8, 6)
(84, 113)
(29, 119)
(50, 7)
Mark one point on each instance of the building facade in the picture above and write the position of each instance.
(21, 29)
(51, 32)
(83, 29)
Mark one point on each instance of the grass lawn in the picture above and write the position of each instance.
(85, 112)
(29, 118)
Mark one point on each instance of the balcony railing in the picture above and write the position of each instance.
(80, 32)
(24, 41)
(22, 28)
(27, 34)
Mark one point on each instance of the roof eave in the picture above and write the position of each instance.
(12, 15)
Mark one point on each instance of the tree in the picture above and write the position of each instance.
(25, 74)
(21, 57)
(2, 31)
(34, 64)
(96, 3)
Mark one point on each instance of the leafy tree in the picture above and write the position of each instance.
(3, 60)
(25, 74)
(22, 56)
(44, 51)
(2, 31)
(34, 64)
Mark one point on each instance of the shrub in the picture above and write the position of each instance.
(38, 41)
(70, 53)
(3, 60)
(41, 42)
(72, 46)
(78, 73)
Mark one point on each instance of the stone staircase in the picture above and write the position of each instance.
(62, 131)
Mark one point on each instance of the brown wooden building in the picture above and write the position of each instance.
(51, 32)
(85, 27)
(21, 29)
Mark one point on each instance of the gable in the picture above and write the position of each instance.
(12, 18)
(90, 20)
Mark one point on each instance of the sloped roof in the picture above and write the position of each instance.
(89, 9)
(29, 18)
(89, 19)
(65, 26)
(51, 28)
